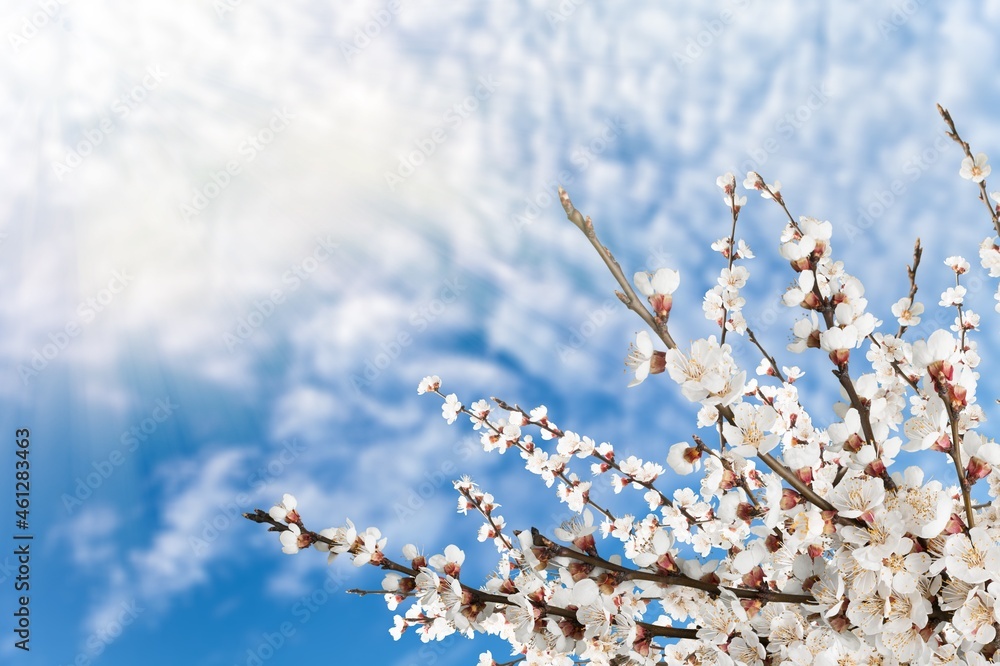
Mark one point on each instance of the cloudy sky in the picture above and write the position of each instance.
(237, 234)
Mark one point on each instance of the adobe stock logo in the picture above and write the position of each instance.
(420, 320)
(378, 21)
(581, 159)
(428, 144)
(48, 11)
(60, 339)
(251, 147)
(292, 279)
(120, 109)
(131, 439)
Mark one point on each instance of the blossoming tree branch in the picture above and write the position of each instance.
(812, 546)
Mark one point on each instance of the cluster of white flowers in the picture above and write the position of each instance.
(801, 544)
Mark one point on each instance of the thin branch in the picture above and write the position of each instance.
(627, 295)
(561, 475)
(956, 456)
(795, 482)
(678, 579)
(365, 593)
(770, 359)
(630, 299)
(826, 309)
(488, 516)
(610, 462)
(983, 194)
(911, 273)
(961, 317)
(728, 466)
(260, 516)
(735, 211)
(895, 364)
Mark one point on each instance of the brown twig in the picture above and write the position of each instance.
(956, 455)
(520, 445)
(770, 359)
(673, 579)
(735, 211)
(911, 272)
(627, 295)
(659, 327)
(610, 462)
(728, 466)
(983, 195)
(488, 516)
(826, 309)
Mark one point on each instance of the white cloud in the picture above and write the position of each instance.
(194, 529)
(325, 173)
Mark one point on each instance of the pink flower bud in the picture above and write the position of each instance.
(789, 499)
(955, 525)
(977, 469)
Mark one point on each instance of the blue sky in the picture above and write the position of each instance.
(242, 232)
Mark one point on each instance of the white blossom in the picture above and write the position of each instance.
(976, 169)
(817, 553)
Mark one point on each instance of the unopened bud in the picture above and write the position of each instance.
(572, 213)
(666, 564)
(955, 525)
(941, 372)
(579, 570)
(840, 357)
(800, 264)
(751, 606)
(711, 577)
(789, 499)
(943, 444)
(875, 468)
(586, 544)
(829, 527)
(977, 469)
(958, 396)
(728, 480)
(854, 443)
(662, 304)
(754, 578)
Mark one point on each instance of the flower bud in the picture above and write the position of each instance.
(955, 525)
(789, 499)
(754, 578)
(977, 469)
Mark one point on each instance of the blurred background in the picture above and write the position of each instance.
(236, 235)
